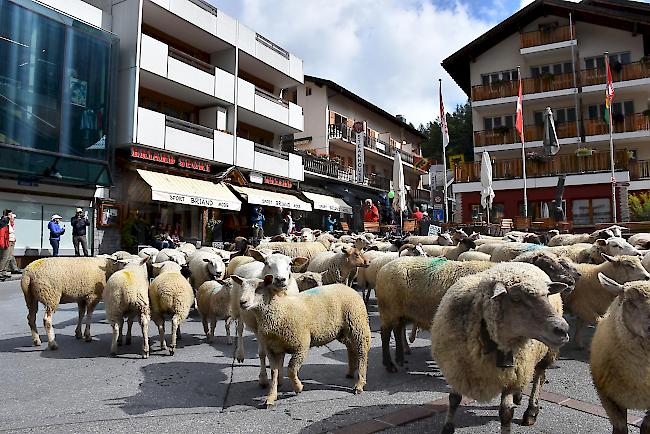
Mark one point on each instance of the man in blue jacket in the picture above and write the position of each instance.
(55, 233)
(257, 222)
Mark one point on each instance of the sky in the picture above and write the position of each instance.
(386, 51)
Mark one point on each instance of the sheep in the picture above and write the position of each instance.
(55, 280)
(473, 255)
(338, 266)
(439, 240)
(589, 300)
(620, 355)
(213, 302)
(509, 251)
(463, 246)
(126, 295)
(308, 280)
(305, 250)
(569, 239)
(557, 268)
(497, 331)
(522, 237)
(313, 318)
(187, 249)
(236, 262)
(122, 255)
(170, 293)
(409, 289)
(205, 266)
(149, 252)
(640, 241)
(171, 255)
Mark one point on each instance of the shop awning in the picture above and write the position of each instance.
(271, 198)
(189, 191)
(328, 203)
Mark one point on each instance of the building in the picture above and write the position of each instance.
(560, 47)
(57, 119)
(203, 111)
(328, 143)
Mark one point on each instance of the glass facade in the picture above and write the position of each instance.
(57, 77)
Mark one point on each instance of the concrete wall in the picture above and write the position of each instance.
(314, 109)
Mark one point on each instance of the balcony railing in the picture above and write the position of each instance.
(189, 127)
(546, 36)
(502, 89)
(377, 181)
(620, 72)
(554, 166)
(639, 170)
(321, 166)
(271, 97)
(191, 60)
(344, 132)
(621, 124)
(271, 151)
(532, 133)
(421, 194)
(340, 131)
(281, 51)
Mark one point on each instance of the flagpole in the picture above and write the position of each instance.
(523, 149)
(444, 159)
(611, 138)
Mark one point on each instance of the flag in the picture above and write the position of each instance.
(519, 123)
(609, 93)
(443, 122)
(422, 163)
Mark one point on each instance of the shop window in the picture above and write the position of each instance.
(29, 217)
(109, 214)
(588, 212)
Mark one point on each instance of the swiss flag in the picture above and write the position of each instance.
(519, 123)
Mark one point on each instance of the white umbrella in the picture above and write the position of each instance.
(550, 141)
(544, 213)
(487, 193)
(399, 201)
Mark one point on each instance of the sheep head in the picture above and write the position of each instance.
(634, 298)
(624, 268)
(445, 240)
(250, 295)
(616, 246)
(557, 269)
(355, 257)
(215, 267)
(277, 267)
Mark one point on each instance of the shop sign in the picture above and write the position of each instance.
(434, 230)
(191, 200)
(189, 163)
(256, 178)
(359, 156)
(276, 181)
(149, 155)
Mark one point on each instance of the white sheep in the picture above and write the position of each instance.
(204, 266)
(171, 255)
(589, 300)
(56, 279)
(187, 249)
(495, 332)
(304, 250)
(509, 251)
(213, 303)
(337, 266)
(308, 280)
(569, 239)
(620, 353)
(127, 295)
(473, 255)
(315, 317)
(149, 252)
(640, 240)
(170, 294)
(439, 240)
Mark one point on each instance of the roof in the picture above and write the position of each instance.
(621, 14)
(367, 104)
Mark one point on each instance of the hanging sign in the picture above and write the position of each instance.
(359, 156)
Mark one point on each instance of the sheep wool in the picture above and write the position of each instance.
(213, 303)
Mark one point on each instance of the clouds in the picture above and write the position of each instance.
(387, 51)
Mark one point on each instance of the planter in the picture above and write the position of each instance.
(584, 152)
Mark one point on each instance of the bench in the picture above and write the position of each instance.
(409, 226)
(372, 227)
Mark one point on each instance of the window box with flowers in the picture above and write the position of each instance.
(584, 152)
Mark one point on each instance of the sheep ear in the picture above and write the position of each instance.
(557, 287)
(299, 261)
(144, 260)
(608, 258)
(238, 280)
(600, 242)
(257, 255)
(498, 289)
(610, 284)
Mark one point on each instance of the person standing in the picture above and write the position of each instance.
(329, 223)
(6, 243)
(370, 212)
(79, 223)
(288, 223)
(257, 222)
(417, 214)
(55, 233)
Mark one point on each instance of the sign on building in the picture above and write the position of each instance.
(434, 230)
(359, 160)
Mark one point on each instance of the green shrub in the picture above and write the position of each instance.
(639, 206)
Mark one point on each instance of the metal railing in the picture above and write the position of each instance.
(271, 97)
(620, 72)
(569, 164)
(281, 51)
(344, 132)
(192, 61)
(532, 133)
(506, 88)
(321, 166)
(377, 181)
(189, 127)
(205, 6)
(271, 151)
(340, 131)
(546, 36)
(621, 124)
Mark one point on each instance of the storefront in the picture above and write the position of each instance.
(324, 206)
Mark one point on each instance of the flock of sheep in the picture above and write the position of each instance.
(493, 305)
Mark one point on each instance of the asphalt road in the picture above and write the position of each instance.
(79, 388)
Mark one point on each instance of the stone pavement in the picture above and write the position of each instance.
(201, 388)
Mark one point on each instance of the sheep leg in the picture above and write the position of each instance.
(144, 324)
(228, 338)
(617, 415)
(405, 343)
(506, 412)
(580, 327)
(263, 380)
(82, 311)
(206, 329)
(414, 333)
(32, 309)
(89, 319)
(176, 319)
(353, 361)
(160, 323)
(295, 363)
(213, 325)
(275, 361)
(359, 355)
(239, 351)
(129, 326)
(454, 401)
(47, 323)
(399, 333)
(645, 426)
(385, 349)
(179, 336)
(530, 415)
(120, 323)
(115, 326)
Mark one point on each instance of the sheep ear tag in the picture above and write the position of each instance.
(499, 289)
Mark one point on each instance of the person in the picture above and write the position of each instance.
(329, 223)
(370, 212)
(417, 214)
(55, 233)
(257, 222)
(278, 222)
(424, 224)
(7, 244)
(79, 223)
(288, 223)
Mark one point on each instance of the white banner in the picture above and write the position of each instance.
(359, 156)
(193, 200)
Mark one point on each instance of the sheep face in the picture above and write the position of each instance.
(356, 258)
(522, 310)
(277, 267)
(458, 235)
(240, 244)
(361, 243)
(532, 239)
(445, 239)
(635, 299)
(557, 269)
(616, 247)
(412, 250)
(307, 237)
(216, 268)
(249, 297)
(626, 268)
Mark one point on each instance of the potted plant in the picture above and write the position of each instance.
(584, 152)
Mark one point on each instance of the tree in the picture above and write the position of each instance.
(459, 124)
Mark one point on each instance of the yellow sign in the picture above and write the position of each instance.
(456, 159)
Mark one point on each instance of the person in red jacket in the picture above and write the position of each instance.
(370, 212)
(417, 214)
(7, 242)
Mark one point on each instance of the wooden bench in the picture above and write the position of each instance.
(345, 226)
(522, 223)
(372, 227)
(505, 226)
(409, 226)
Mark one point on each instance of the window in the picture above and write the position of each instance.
(308, 91)
(615, 58)
(510, 75)
(625, 108)
(591, 211)
(556, 69)
(340, 119)
(498, 122)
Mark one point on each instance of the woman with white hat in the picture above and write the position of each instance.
(55, 233)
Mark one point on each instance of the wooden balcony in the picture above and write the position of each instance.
(560, 164)
(622, 124)
(532, 133)
(321, 166)
(503, 89)
(639, 169)
(546, 36)
(628, 71)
